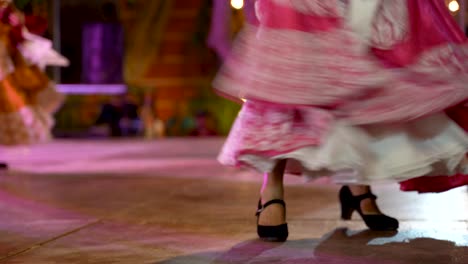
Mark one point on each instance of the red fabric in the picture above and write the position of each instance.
(292, 19)
(36, 24)
(434, 184)
(16, 35)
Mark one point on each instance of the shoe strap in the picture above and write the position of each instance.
(262, 207)
(369, 195)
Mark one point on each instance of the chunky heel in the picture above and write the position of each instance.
(346, 213)
(350, 203)
(347, 209)
(277, 233)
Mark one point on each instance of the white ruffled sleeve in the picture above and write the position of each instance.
(391, 24)
(38, 51)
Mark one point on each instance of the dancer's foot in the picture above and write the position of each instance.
(373, 218)
(274, 214)
(368, 206)
(274, 227)
(3, 166)
(271, 213)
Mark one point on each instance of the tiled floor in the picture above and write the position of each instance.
(170, 202)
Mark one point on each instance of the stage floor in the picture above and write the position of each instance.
(168, 201)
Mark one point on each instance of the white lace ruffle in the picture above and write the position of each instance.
(428, 147)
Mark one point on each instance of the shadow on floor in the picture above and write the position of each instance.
(342, 246)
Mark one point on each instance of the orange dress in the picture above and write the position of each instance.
(26, 96)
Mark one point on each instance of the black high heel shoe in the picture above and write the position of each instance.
(277, 233)
(3, 166)
(351, 203)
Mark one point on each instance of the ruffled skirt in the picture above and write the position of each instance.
(332, 69)
(315, 145)
(26, 113)
(318, 98)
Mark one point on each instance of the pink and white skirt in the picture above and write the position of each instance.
(316, 145)
(317, 97)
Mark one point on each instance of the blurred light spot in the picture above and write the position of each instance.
(237, 4)
(454, 6)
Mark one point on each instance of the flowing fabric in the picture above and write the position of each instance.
(436, 44)
(317, 98)
(300, 60)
